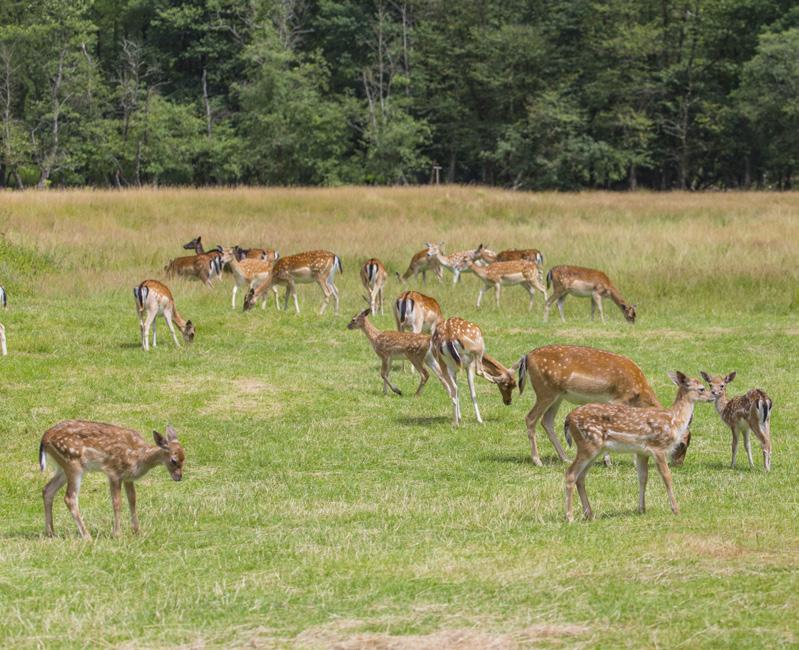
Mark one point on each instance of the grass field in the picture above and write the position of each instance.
(314, 511)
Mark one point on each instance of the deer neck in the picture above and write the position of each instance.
(721, 402)
(616, 297)
(179, 321)
(682, 410)
(370, 330)
(149, 457)
(443, 259)
(479, 271)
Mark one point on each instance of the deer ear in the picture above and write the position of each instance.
(705, 376)
(171, 434)
(160, 440)
(677, 377)
(730, 377)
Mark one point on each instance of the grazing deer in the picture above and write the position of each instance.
(511, 273)
(645, 432)
(745, 413)
(373, 278)
(4, 305)
(417, 312)
(421, 262)
(79, 446)
(579, 281)
(581, 375)
(205, 266)
(513, 254)
(153, 298)
(302, 268)
(457, 343)
(390, 345)
(249, 272)
(456, 262)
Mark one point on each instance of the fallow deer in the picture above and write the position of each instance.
(390, 345)
(153, 298)
(579, 281)
(79, 446)
(312, 266)
(456, 262)
(513, 254)
(417, 312)
(196, 245)
(580, 375)
(3, 304)
(421, 262)
(373, 278)
(249, 272)
(265, 254)
(205, 266)
(645, 432)
(497, 274)
(744, 413)
(457, 343)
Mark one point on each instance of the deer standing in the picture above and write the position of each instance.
(745, 413)
(457, 343)
(421, 262)
(579, 281)
(4, 305)
(511, 273)
(513, 254)
(456, 262)
(645, 432)
(417, 312)
(373, 278)
(79, 446)
(303, 268)
(205, 266)
(249, 272)
(153, 298)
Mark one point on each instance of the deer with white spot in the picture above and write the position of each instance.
(456, 262)
(421, 262)
(513, 254)
(417, 312)
(373, 278)
(582, 282)
(499, 274)
(204, 266)
(249, 272)
(153, 298)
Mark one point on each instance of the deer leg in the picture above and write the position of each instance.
(548, 305)
(472, 392)
(665, 474)
(587, 512)
(542, 403)
(326, 292)
(748, 447)
(3, 346)
(48, 493)
(235, 291)
(130, 492)
(334, 289)
(456, 275)
(497, 291)
(578, 466)
(116, 501)
(71, 499)
(734, 446)
(149, 320)
(598, 300)
(452, 389)
(560, 308)
(642, 467)
(548, 422)
(480, 295)
(593, 307)
(385, 369)
(529, 288)
(423, 374)
(168, 319)
(155, 338)
(287, 297)
(424, 277)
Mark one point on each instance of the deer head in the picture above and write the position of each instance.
(718, 384)
(359, 319)
(194, 244)
(629, 313)
(172, 456)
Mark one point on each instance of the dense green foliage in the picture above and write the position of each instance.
(561, 94)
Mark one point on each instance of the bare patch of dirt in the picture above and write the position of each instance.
(243, 396)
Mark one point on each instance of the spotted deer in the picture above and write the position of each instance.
(4, 305)
(205, 266)
(373, 278)
(581, 375)
(745, 413)
(390, 345)
(499, 274)
(153, 298)
(645, 432)
(80, 446)
(421, 262)
(303, 268)
(249, 272)
(265, 254)
(579, 281)
(417, 312)
(456, 262)
(456, 344)
(513, 254)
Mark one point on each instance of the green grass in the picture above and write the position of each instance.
(316, 511)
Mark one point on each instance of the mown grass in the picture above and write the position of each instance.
(315, 511)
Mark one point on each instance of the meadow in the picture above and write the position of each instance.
(314, 511)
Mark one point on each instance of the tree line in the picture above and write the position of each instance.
(532, 94)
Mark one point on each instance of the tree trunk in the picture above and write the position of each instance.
(633, 178)
(206, 102)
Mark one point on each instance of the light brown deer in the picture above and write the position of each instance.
(456, 262)
(153, 298)
(417, 312)
(421, 262)
(79, 446)
(390, 345)
(579, 281)
(265, 254)
(4, 305)
(513, 254)
(373, 278)
(511, 273)
(645, 432)
(303, 268)
(580, 375)
(456, 344)
(249, 272)
(205, 267)
(745, 413)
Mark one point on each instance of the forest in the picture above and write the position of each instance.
(527, 94)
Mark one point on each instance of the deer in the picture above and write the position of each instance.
(205, 266)
(513, 254)
(196, 245)
(80, 446)
(250, 272)
(744, 413)
(4, 305)
(456, 262)
(645, 432)
(581, 375)
(421, 262)
(510, 273)
(457, 343)
(390, 345)
(373, 278)
(579, 281)
(417, 312)
(311, 266)
(153, 298)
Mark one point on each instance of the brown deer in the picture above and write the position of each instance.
(373, 278)
(745, 413)
(581, 375)
(511, 273)
(249, 272)
(153, 298)
(417, 312)
(579, 281)
(303, 268)
(456, 344)
(421, 262)
(4, 305)
(205, 267)
(390, 345)
(645, 432)
(456, 262)
(513, 254)
(79, 446)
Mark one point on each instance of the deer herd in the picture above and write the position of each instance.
(617, 410)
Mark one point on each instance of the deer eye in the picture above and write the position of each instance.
(173, 460)
(702, 389)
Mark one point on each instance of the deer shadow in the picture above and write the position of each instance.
(421, 420)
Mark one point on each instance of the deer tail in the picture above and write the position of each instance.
(522, 373)
(549, 279)
(566, 433)
(338, 264)
(3, 297)
(42, 457)
(539, 257)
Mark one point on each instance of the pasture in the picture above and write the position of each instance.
(314, 511)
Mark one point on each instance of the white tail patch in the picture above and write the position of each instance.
(3, 297)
